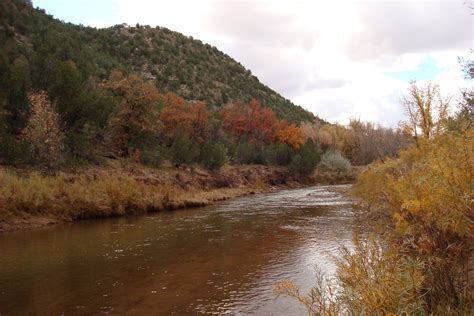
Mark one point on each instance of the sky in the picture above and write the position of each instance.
(337, 59)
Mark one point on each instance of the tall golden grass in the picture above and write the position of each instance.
(78, 197)
(87, 196)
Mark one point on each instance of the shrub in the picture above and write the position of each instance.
(249, 153)
(426, 196)
(333, 161)
(151, 157)
(14, 151)
(294, 166)
(278, 154)
(309, 157)
(305, 160)
(213, 155)
(184, 150)
(371, 279)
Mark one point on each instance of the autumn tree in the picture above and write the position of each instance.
(251, 122)
(290, 134)
(360, 142)
(43, 129)
(262, 123)
(135, 124)
(189, 118)
(426, 110)
(234, 116)
(311, 130)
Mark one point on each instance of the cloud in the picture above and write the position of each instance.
(407, 27)
(259, 23)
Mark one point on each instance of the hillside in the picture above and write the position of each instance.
(172, 61)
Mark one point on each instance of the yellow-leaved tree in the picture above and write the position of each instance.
(43, 130)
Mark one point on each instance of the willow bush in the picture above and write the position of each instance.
(419, 263)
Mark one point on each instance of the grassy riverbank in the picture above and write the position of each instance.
(29, 198)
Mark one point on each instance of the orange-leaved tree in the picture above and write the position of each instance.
(177, 115)
(290, 134)
(250, 121)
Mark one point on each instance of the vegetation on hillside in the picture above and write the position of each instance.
(171, 61)
(150, 95)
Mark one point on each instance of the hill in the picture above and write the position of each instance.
(172, 61)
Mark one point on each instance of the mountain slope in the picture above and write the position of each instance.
(176, 63)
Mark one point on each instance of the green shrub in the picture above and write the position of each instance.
(305, 160)
(333, 161)
(309, 157)
(278, 154)
(295, 163)
(184, 150)
(213, 155)
(249, 153)
(151, 157)
(13, 151)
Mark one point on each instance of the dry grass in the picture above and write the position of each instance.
(100, 194)
(80, 196)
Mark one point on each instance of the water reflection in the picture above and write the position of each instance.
(215, 260)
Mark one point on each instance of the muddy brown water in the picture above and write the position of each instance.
(221, 259)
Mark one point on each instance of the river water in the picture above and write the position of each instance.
(221, 259)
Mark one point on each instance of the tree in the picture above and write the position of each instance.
(135, 124)
(251, 122)
(426, 109)
(290, 134)
(19, 84)
(43, 130)
(179, 115)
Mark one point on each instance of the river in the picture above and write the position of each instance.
(221, 259)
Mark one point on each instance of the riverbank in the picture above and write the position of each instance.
(31, 199)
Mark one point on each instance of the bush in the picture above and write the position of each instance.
(333, 161)
(151, 157)
(426, 196)
(371, 279)
(309, 157)
(278, 154)
(305, 160)
(249, 153)
(213, 155)
(184, 150)
(295, 164)
(14, 151)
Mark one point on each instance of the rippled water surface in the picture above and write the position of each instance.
(216, 260)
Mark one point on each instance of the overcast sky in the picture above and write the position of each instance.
(338, 59)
